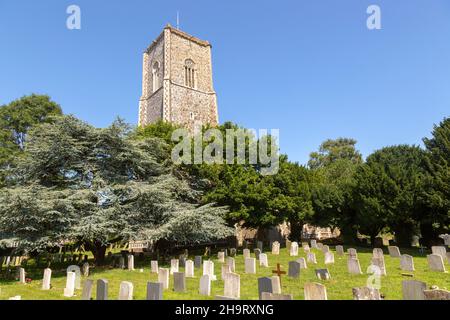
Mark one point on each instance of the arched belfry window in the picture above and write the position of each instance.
(189, 73)
(155, 75)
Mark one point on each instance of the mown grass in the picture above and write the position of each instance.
(339, 287)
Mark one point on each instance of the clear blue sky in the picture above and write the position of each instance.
(310, 68)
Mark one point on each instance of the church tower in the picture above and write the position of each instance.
(177, 84)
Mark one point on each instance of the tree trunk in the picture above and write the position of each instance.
(98, 249)
(296, 230)
(349, 235)
(403, 235)
(430, 236)
(372, 239)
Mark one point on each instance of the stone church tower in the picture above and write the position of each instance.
(177, 84)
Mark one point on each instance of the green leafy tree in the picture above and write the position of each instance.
(333, 150)
(97, 186)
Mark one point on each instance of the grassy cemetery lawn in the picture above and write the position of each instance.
(339, 287)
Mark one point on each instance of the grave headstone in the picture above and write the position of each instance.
(85, 269)
(205, 285)
(352, 253)
(182, 261)
(198, 262)
(260, 246)
(276, 248)
(313, 244)
(154, 266)
(394, 252)
(315, 291)
(189, 269)
(329, 257)
(70, 284)
(440, 250)
(163, 277)
(413, 290)
(406, 262)
(294, 269)
(302, 262)
(257, 253)
(325, 249)
(76, 269)
(231, 263)
(263, 261)
(46, 282)
(86, 294)
(221, 256)
(208, 268)
(250, 265)
(366, 293)
(311, 257)
(155, 290)
(102, 289)
(437, 294)
(378, 253)
(264, 285)
(232, 285)
(232, 252)
(435, 262)
(246, 253)
(130, 262)
(173, 266)
(276, 284)
(276, 296)
(179, 282)
(353, 266)
(225, 269)
(22, 275)
(306, 248)
(340, 250)
(121, 262)
(126, 291)
(323, 274)
(379, 262)
(288, 245)
(293, 252)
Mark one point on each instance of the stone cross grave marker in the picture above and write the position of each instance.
(278, 272)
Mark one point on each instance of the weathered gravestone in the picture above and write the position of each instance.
(377, 253)
(126, 291)
(294, 269)
(130, 262)
(440, 250)
(329, 257)
(47, 279)
(189, 269)
(250, 265)
(198, 262)
(121, 262)
(435, 263)
(352, 253)
(302, 262)
(340, 250)
(231, 263)
(276, 296)
(288, 245)
(311, 257)
(366, 293)
(102, 289)
(260, 246)
(293, 252)
(76, 269)
(306, 248)
(85, 269)
(232, 285)
(70, 285)
(163, 277)
(221, 256)
(315, 291)
(208, 268)
(86, 294)
(323, 274)
(264, 285)
(413, 290)
(22, 275)
(232, 252)
(394, 252)
(224, 270)
(263, 261)
(379, 263)
(182, 260)
(257, 253)
(154, 266)
(353, 266)
(276, 284)
(437, 294)
(246, 253)
(179, 282)
(155, 291)
(205, 285)
(406, 262)
(325, 249)
(174, 265)
(276, 248)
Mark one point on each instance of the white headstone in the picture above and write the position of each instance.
(47, 279)
(208, 268)
(435, 263)
(70, 284)
(353, 266)
(126, 291)
(232, 285)
(225, 269)
(250, 265)
(189, 268)
(154, 266)
(263, 262)
(276, 284)
(406, 262)
(231, 263)
(302, 262)
(306, 248)
(174, 265)
(440, 250)
(352, 253)
(329, 257)
(76, 269)
(205, 285)
(314, 244)
(130, 262)
(276, 248)
(163, 277)
(311, 257)
(22, 275)
(221, 256)
(294, 249)
(315, 291)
